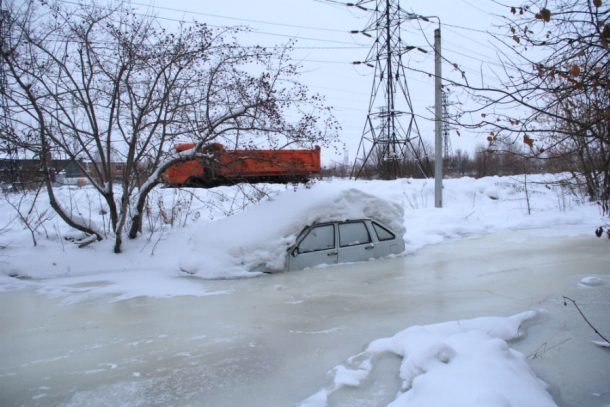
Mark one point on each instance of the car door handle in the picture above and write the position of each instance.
(332, 253)
(369, 247)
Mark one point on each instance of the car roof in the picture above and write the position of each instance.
(342, 221)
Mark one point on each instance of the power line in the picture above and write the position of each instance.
(322, 61)
(464, 37)
(466, 55)
(238, 18)
(289, 36)
(319, 61)
(485, 61)
(333, 48)
(65, 38)
(461, 27)
(351, 44)
(468, 3)
(334, 2)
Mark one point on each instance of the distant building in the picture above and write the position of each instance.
(24, 171)
(28, 171)
(117, 169)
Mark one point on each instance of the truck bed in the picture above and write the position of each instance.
(229, 167)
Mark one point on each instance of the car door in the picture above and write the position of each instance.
(386, 242)
(317, 246)
(355, 243)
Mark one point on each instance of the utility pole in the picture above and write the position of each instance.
(438, 121)
(438, 111)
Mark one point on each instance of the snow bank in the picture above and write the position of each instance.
(459, 363)
(221, 233)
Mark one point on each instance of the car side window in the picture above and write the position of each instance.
(353, 233)
(382, 233)
(318, 238)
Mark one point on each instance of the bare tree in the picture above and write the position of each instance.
(554, 99)
(114, 91)
(30, 216)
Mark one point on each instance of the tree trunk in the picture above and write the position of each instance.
(118, 241)
(57, 207)
(136, 221)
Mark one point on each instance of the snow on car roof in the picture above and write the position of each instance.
(267, 229)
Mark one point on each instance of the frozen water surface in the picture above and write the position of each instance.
(270, 341)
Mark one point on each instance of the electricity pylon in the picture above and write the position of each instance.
(391, 137)
(446, 128)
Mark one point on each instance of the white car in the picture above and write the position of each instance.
(342, 242)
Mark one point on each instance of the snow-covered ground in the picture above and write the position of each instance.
(205, 244)
(190, 231)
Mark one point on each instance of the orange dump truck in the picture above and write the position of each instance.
(219, 166)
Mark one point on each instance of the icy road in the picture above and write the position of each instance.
(270, 341)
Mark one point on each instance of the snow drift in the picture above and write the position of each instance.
(459, 363)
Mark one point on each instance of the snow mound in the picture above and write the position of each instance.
(257, 238)
(591, 281)
(457, 363)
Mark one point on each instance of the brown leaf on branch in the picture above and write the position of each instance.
(574, 70)
(527, 140)
(606, 34)
(597, 3)
(544, 15)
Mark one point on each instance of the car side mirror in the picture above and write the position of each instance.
(294, 252)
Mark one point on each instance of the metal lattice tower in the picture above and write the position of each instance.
(4, 122)
(4, 15)
(391, 136)
(446, 128)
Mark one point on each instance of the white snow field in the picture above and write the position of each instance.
(212, 245)
(416, 330)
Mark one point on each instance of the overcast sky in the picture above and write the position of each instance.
(326, 49)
